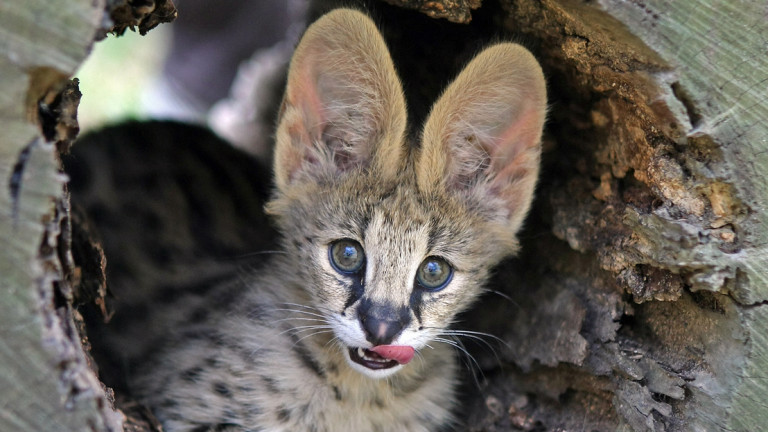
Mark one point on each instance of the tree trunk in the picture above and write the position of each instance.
(48, 382)
(656, 176)
(638, 301)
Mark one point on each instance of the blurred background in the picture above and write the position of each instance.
(186, 70)
(113, 78)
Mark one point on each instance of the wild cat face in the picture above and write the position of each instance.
(387, 267)
(394, 239)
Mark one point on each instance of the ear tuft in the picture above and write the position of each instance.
(343, 107)
(482, 139)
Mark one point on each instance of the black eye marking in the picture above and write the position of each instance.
(434, 274)
(346, 256)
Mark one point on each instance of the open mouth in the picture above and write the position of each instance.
(370, 359)
(382, 356)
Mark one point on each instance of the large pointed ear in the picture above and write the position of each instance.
(482, 139)
(343, 107)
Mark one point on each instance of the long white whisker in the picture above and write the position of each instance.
(303, 306)
(505, 296)
(420, 357)
(298, 329)
(334, 339)
(479, 336)
(458, 345)
(471, 359)
(310, 327)
(300, 312)
(312, 334)
(300, 319)
(472, 332)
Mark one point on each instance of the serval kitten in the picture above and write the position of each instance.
(383, 241)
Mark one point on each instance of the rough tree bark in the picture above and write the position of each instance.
(47, 380)
(656, 176)
(639, 302)
(673, 202)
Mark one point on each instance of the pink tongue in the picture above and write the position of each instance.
(401, 354)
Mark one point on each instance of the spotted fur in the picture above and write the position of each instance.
(275, 358)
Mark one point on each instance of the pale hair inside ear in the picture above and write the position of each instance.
(344, 106)
(482, 139)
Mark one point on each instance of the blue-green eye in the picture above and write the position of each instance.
(434, 273)
(346, 256)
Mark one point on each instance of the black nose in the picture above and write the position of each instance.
(382, 322)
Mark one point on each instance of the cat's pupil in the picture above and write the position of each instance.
(347, 256)
(433, 270)
(350, 253)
